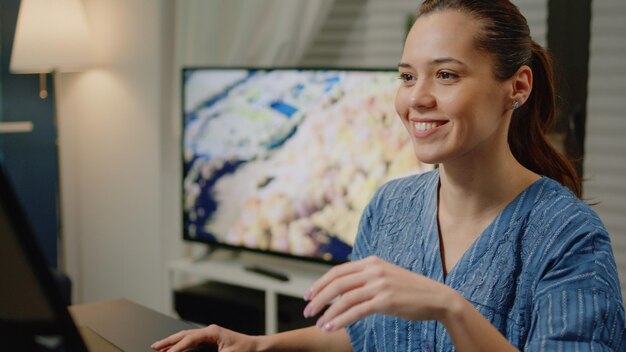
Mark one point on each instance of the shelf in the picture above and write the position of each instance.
(223, 266)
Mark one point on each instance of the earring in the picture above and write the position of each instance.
(515, 105)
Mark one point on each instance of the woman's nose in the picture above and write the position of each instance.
(421, 96)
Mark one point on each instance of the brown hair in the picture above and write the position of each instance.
(506, 36)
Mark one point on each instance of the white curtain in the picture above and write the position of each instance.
(246, 32)
(605, 145)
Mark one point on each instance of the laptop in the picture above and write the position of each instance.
(33, 316)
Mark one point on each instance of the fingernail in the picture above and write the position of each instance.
(320, 323)
(328, 327)
(307, 311)
(307, 295)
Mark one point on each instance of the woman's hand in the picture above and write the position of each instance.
(372, 285)
(226, 340)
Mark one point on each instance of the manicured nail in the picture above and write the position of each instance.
(328, 327)
(307, 311)
(307, 295)
(320, 323)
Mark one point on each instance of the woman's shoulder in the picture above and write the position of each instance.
(554, 206)
(570, 237)
(558, 220)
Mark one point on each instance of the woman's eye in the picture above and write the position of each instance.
(445, 75)
(406, 77)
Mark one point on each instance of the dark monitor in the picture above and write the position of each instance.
(33, 316)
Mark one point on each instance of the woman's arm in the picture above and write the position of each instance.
(372, 285)
(469, 330)
(308, 339)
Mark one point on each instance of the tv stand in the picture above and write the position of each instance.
(211, 250)
(250, 270)
(276, 275)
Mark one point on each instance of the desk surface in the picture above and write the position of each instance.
(127, 325)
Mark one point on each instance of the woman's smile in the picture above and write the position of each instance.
(424, 128)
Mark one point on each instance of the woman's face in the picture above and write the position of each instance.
(449, 99)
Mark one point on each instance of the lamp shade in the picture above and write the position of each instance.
(51, 35)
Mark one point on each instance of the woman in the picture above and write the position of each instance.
(490, 252)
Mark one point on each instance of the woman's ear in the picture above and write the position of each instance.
(522, 85)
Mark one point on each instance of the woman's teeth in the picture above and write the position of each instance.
(425, 126)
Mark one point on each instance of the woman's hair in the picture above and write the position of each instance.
(505, 35)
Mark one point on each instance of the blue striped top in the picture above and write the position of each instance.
(542, 272)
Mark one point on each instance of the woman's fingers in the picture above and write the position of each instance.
(169, 341)
(339, 271)
(371, 286)
(183, 344)
(347, 279)
(333, 290)
(186, 339)
(342, 270)
(355, 300)
(352, 314)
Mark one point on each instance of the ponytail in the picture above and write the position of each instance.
(532, 122)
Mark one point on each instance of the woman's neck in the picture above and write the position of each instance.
(471, 187)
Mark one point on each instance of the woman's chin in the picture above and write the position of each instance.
(428, 158)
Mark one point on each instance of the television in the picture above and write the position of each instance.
(283, 161)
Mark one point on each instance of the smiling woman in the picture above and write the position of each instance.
(493, 251)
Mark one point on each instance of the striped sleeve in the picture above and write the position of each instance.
(577, 304)
(577, 320)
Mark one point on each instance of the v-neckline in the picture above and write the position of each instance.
(475, 249)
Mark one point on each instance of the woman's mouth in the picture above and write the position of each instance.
(425, 128)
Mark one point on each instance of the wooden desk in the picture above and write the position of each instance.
(127, 325)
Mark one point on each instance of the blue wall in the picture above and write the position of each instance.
(30, 158)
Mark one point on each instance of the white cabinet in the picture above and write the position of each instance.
(224, 266)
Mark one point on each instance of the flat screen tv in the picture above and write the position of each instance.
(283, 161)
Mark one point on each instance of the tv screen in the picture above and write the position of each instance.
(284, 161)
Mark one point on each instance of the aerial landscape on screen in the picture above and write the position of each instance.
(286, 160)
